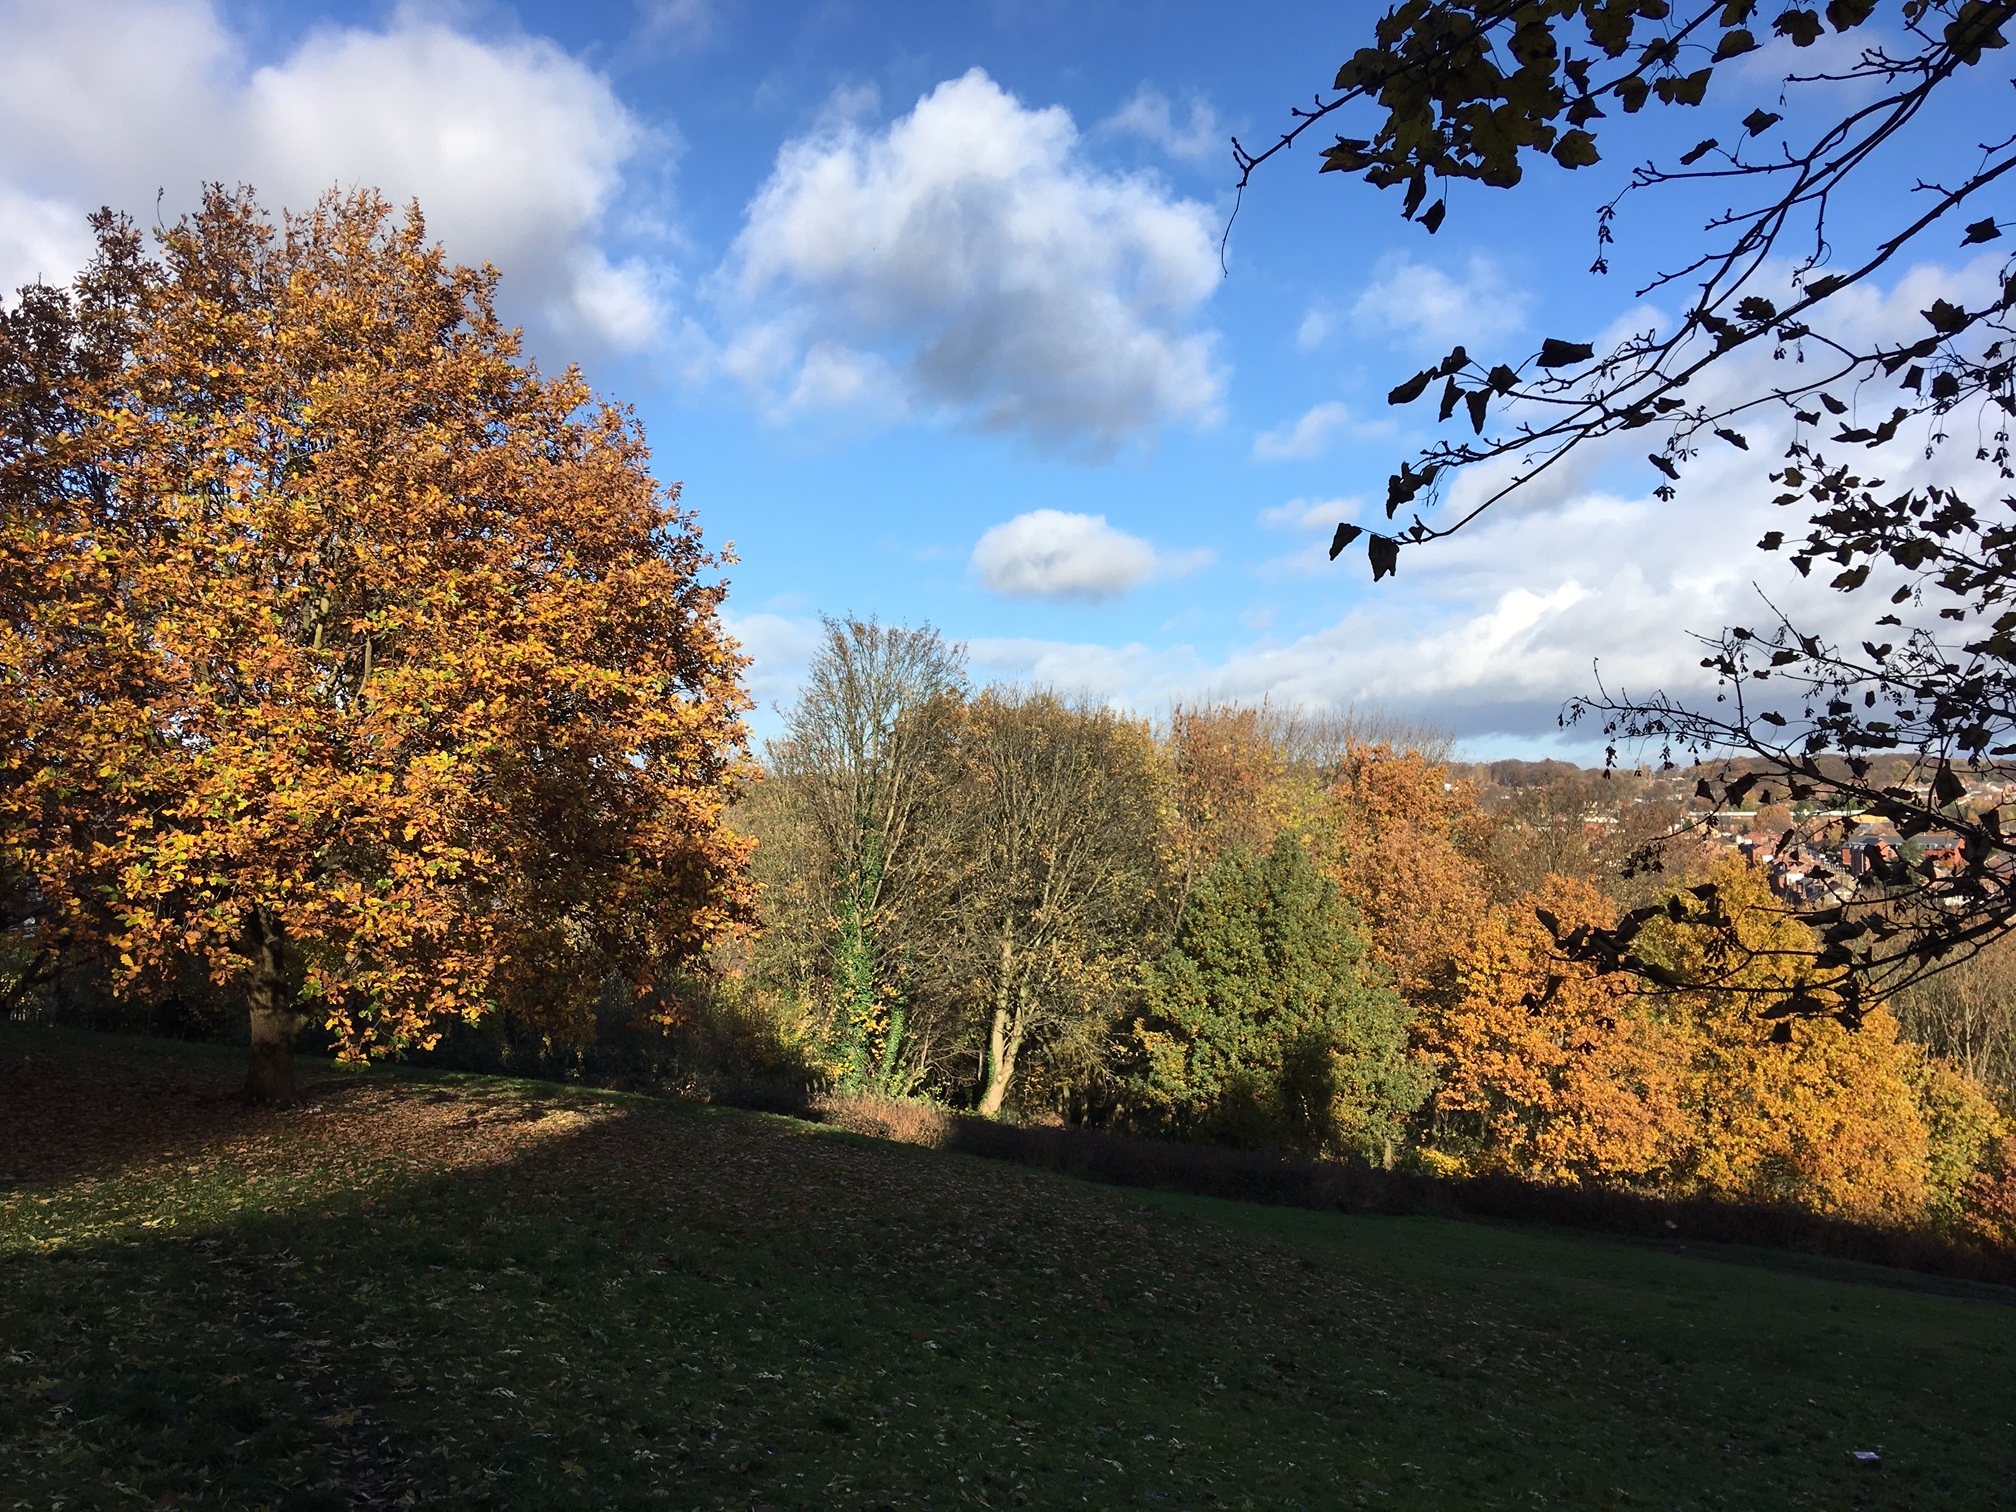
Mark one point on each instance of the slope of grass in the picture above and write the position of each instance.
(463, 1292)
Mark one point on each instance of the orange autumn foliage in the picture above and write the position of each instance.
(1403, 845)
(1550, 1068)
(1991, 1198)
(343, 651)
(1553, 1072)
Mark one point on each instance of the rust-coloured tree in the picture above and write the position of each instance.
(344, 652)
(1404, 845)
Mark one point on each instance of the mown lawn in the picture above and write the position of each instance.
(451, 1291)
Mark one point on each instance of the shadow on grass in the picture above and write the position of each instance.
(610, 1302)
(76, 1102)
(1353, 1187)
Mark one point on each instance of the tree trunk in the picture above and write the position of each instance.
(1000, 1065)
(270, 1005)
(1004, 1035)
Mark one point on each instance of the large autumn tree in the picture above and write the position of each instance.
(344, 652)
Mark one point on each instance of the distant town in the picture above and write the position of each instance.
(1810, 855)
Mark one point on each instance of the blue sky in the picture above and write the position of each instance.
(922, 304)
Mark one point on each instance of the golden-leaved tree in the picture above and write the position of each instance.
(1820, 1113)
(1553, 1071)
(1550, 1071)
(344, 652)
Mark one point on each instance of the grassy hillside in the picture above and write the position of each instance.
(466, 1292)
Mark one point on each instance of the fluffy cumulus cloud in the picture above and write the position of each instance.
(1050, 554)
(515, 150)
(967, 260)
(1426, 307)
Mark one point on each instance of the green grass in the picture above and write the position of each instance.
(462, 1292)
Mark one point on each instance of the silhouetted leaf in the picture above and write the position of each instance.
(1981, 231)
(1383, 552)
(1947, 788)
(1412, 389)
(1345, 535)
(1734, 438)
(1476, 400)
(1555, 353)
(1698, 151)
(1846, 15)
(1802, 26)
(1576, 149)
(1760, 121)
(1773, 539)
(1402, 486)
(1663, 465)
(1683, 89)
(1946, 318)
(1348, 156)
(1417, 190)
(1432, 221)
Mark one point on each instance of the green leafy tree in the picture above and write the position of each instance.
(1265, 1023)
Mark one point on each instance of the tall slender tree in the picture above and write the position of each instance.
(861, 769)
(1060, 844)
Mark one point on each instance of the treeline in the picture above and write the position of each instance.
(1262, 929)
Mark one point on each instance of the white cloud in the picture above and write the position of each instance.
(1148, 115)
(1317, 322)
(1310, 435)
(1115, 673)
(679, 23)
(515, 150)
(1310, 514)
(40, 239)
(1050, 554)
(970, 253)
(1489, 632)
(779, 649)
(1426, 307)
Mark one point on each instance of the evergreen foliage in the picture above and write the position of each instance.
(1265, 1022)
